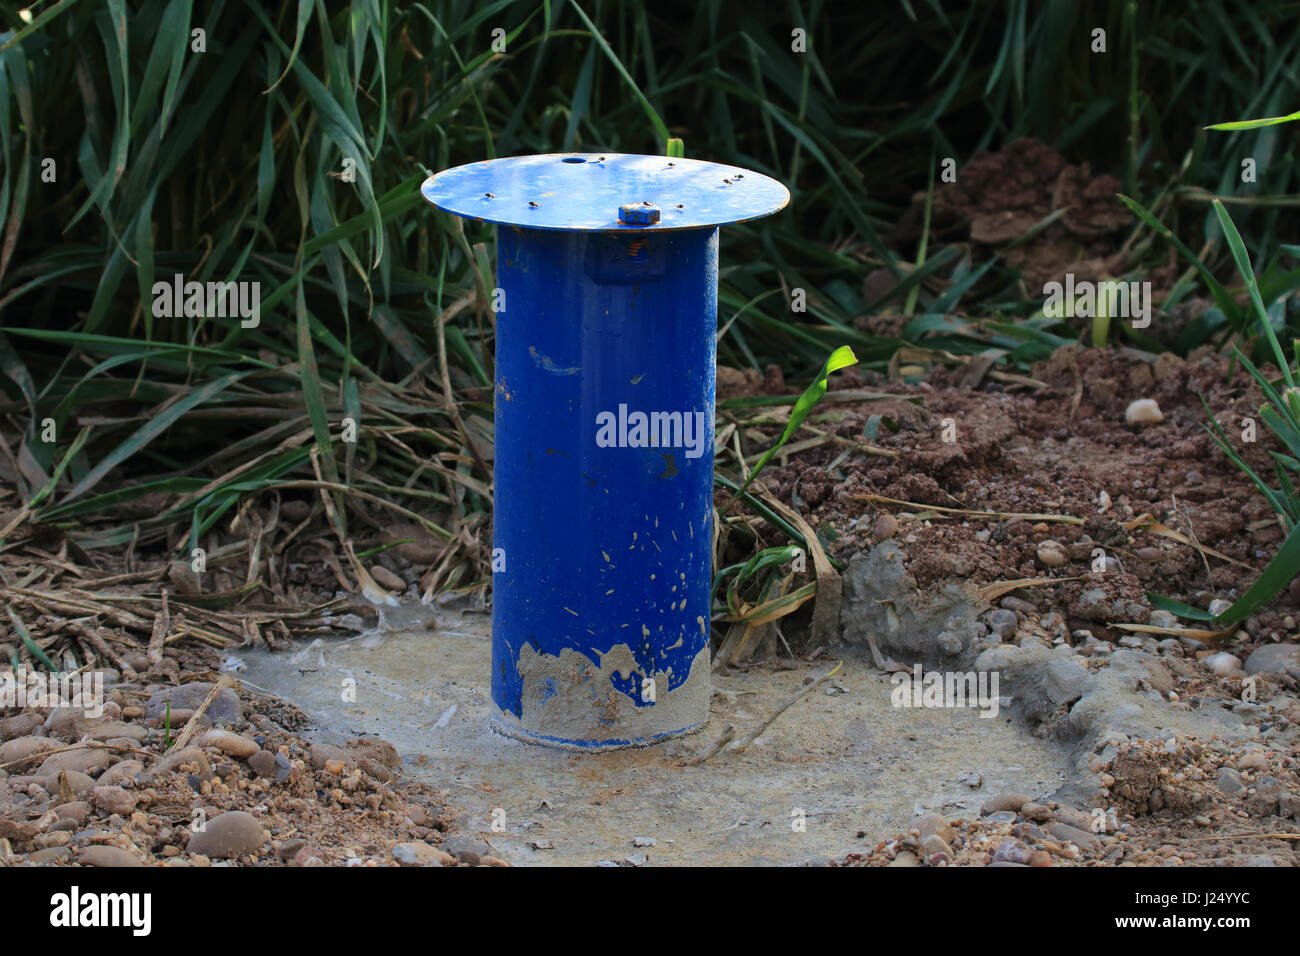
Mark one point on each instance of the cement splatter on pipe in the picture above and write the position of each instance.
(606, 301)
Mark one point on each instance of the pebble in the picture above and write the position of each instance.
(1004, 801)
(50, 856)
(179, 758)
(934, 824)
(1162, 618)
(1068, 834)
(418, 853)
(1036, 812)
(102, 855)
(237, 745)
(1019, 605)
(1052, 553)
(225, 707)
(1144, 411)
(386, 578)
(262, 763)
(1255, 760)
(334, 766)
(22, 748)
(114, 800)
(1001, 816)
(20, 725)
(75, 812)
(1273, 659)
(886, 526)
(124, 771)
(1004, 622)
(86, 760)
(935, 844)
(233, 834)
(1223, 663)
(323, 753)
(1012, 851)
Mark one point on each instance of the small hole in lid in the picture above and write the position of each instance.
(573, 159)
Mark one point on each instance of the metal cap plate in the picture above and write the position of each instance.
(584, 191)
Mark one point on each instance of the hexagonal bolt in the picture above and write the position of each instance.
(638, 214)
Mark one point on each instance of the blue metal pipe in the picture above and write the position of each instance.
(605, 359)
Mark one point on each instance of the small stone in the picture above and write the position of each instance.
(289, 848)
(1001, 816)
(934, 824)
(1223, 663)
(905, 858)
(1162, 618)
(1019, 605)
(1230, 782)
(1005, 801)
(1052, 553)
(323, 753)
(230, 835)
(178, 759)
(102, 855)
(334, 766)
(1004, 622)
(935, 844)
(20, 725)
(123, 772)
(418, 853)
(1255, 760)
(50, 856)
(386, 578)
(886, 526)
(225, 707)
(1149, 554)
(86, 760)
(27, 750)
(1012, 851)
(262, 763)
(237, 745)
(1274, 659)
(1065, 833)
(1036, 812)
(114, 800)
(75, 812)
(1203, 821)
(643, 841)
(1144, 411)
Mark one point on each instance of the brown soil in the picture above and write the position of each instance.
(1053, 451)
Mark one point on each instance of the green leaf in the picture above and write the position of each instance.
(1279, 573)
(842, 357)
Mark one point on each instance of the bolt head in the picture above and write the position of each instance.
(638, 214)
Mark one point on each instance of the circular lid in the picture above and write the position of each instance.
(586, 191)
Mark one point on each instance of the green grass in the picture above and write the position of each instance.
(229, 164)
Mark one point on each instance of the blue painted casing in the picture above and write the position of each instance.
(603, 519)
(601, 542)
